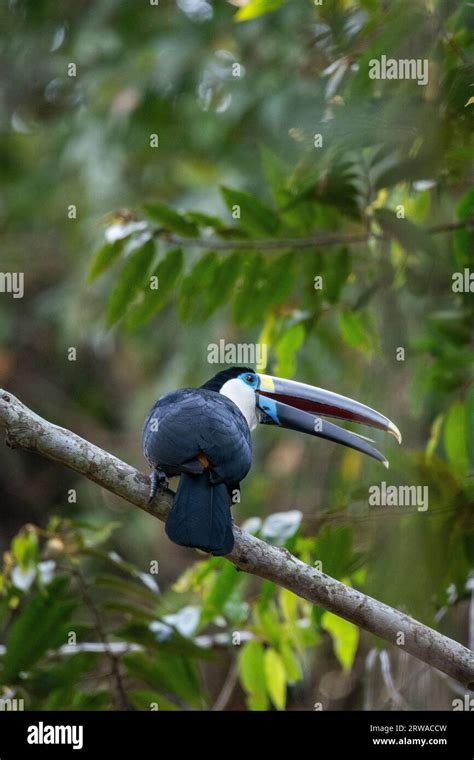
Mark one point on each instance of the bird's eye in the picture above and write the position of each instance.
(249, 378)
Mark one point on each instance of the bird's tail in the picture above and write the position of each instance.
(200, 516)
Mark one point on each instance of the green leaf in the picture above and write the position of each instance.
(345, 638)
(129, 281)
(25, 549)
(224, 281)
(455, 438)
(464, 238)
(255, 218)
(147, 581)
(165, 276)
(435, 436)
(96, 533)
(334, 185)
(129, 589)
(266, 597)
(93, 701)
(64, 674)
(244, 310)
(292, 666)
(303, 637)
(38, 627)
(205, 220)
(104, 258)
(169, 673)
(289, 604)
(171, 219)
(195, 576)
(252, 674)
(279, 280)
(335, 274)
(267, 623)
(196, 285)
(256, 8)
(356, 331)
(470, 423)
(275, 676)
(339, 188)
(286, 349)
(75, 699)
(226, 579)
(236, 609)
(276, 173)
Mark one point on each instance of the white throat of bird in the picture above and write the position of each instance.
(244, 397)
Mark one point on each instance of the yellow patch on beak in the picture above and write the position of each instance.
(266, 383)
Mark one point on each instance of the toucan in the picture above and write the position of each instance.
(203, 435)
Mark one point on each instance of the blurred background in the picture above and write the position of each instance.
(112, 113)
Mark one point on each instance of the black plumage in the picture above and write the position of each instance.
(203, 436)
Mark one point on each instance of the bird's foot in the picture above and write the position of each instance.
(158, 482)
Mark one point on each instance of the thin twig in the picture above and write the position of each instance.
(228, 687)
(116, 677)
(278, 244)
(265, 245)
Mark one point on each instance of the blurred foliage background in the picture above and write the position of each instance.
(135, 129)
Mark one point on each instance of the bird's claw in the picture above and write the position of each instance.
(159, 482)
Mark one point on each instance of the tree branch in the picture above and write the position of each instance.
(278, 244)
(27, 430)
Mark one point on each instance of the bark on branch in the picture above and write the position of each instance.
(27, 430)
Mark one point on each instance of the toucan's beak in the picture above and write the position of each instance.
(300, 407)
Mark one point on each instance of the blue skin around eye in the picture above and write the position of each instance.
(267, 405)
(253, 383)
